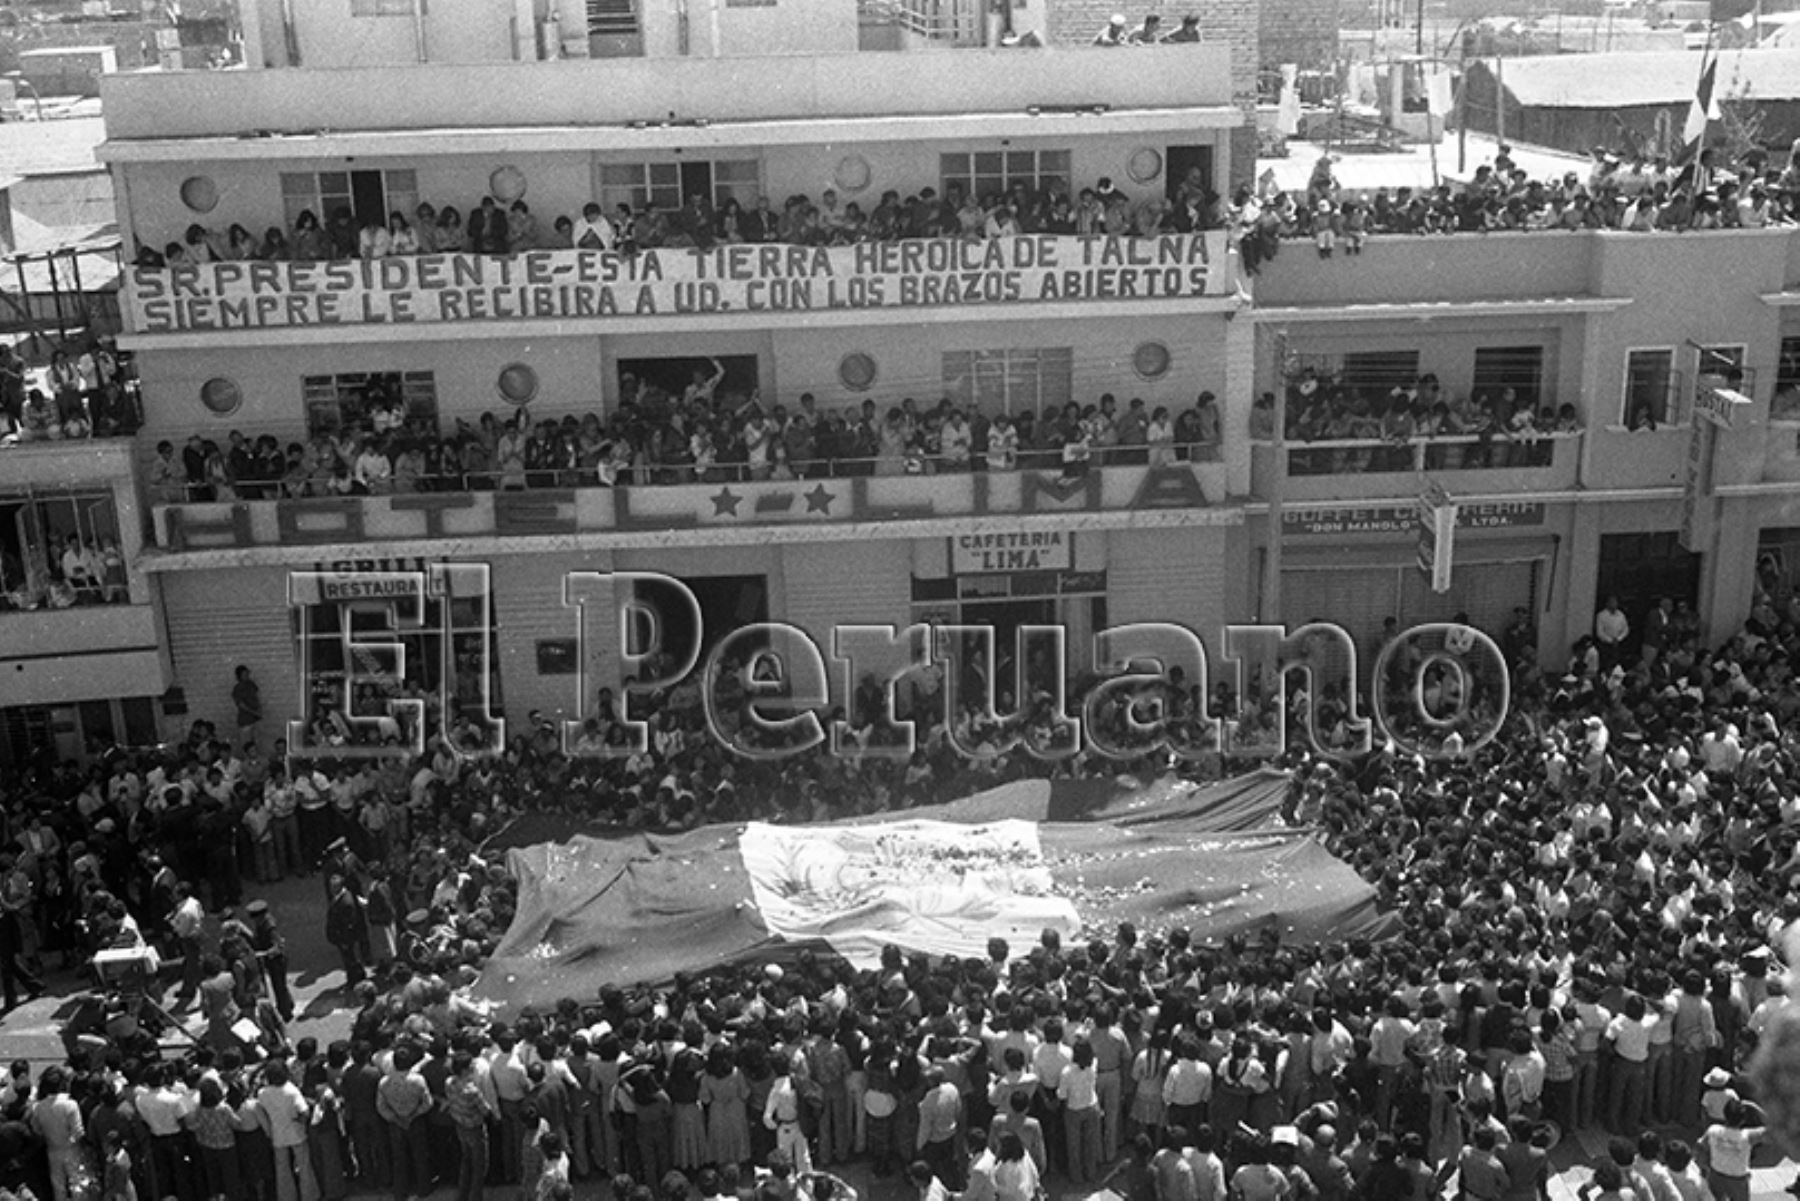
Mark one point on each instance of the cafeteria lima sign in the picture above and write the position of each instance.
(577, 284)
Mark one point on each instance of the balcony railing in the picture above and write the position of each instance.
(1350, 467)
(559, 508)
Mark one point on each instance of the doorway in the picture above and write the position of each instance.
(1185, 167)
(1640, 569)
(727, 603)
(1005, 617)
(673, 376)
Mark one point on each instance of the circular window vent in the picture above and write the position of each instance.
(200, 193)
(221, 396)
(857, 372)
(518, 383)
(507, 184)
(1144, 165)
(853, 173)
(1151, 360)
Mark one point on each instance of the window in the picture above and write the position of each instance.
(1377, 372)
(737, 179)
(381, 8)
(1010, 381)
(36, 529)
(668, 185)
(337, 402)
(1649, 388)
(1520, 368)
(956, 22)
(612, 18)
(639, 185)
(418, 624)
(1785, 404)
(985, 172)
(1722, 367)
(370, 195)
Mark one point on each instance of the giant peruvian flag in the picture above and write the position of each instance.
(1077, 857)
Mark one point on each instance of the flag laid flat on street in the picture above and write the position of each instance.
(628, 907)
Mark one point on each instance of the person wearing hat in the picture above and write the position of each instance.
(346, 928)
(271, 954)
(1115, 33)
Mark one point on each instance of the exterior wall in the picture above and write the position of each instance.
(1173, 575)
(1628, 277)
(1231, 23)
(509, 95)
(1304, 32)
(560, 184)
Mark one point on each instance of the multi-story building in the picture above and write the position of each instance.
(382, 107)
(1634, 331)
(375, 108)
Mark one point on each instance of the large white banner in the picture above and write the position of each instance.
(566, 284)
(935, 887)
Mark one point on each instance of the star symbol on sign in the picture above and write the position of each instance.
(819, 500)
(725, 502)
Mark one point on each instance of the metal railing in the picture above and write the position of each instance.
(1444, 452)
(674, 474)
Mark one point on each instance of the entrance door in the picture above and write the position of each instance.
(727, 603)
(1640, 569)
(696, 180)
(1005, 617)
(1185, 166)
(368, 198)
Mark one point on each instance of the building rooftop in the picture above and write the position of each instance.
(30, 148)
(1639, 79)
(1411, 168)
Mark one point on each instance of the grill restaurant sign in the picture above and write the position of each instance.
(580, 284)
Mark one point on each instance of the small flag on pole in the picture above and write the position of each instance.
(1701, 110)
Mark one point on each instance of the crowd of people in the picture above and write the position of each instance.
(1484, 428)
(87, 391)
(1589, 938)
(1649, 193)
(705, 434)
(1041, 206)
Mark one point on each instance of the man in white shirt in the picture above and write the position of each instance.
(372, 470)
(593, 231)
(186, 922)
(1611, 628)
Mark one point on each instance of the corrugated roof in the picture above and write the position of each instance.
(1641, 79)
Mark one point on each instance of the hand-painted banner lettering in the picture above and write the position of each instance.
(566, 284)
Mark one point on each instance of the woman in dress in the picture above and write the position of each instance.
(1148, 1071)
(689, 1124)
(725, 1093)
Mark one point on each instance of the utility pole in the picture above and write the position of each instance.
(1419, 30)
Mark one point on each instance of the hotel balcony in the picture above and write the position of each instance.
(740, 512)
(1364, 469)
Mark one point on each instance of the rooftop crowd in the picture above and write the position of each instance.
(705, 434)
(1589, 909)
(1754, 191)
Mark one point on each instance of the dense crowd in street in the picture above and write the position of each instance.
(1591, 911)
